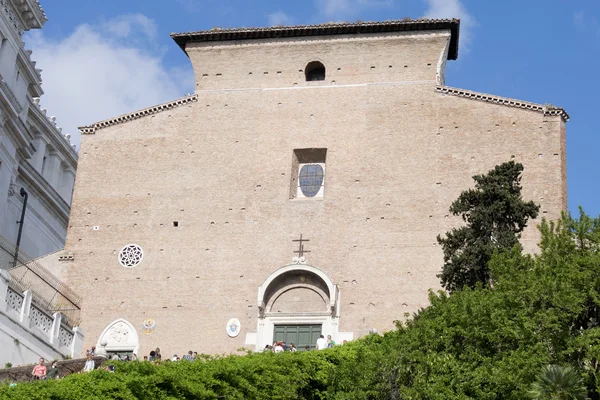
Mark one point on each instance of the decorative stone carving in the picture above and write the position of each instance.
(118, 334)
(14, 20)
(131, 255)
(13, 188)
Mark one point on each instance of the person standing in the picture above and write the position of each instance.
(321, 343)
(189, 356)
(330, 342)
(39, 371)
(89, 364)
(293, 347)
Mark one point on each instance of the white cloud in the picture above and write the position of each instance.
(280, 18)
(123, 25)
(101, 71)
(453, 9)
(340, 9)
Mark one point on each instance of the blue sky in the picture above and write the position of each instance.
(101, 59)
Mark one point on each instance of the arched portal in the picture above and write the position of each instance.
(120, 337)
(297, 303)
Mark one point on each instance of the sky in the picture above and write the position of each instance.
(104, 58)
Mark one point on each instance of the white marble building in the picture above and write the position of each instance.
(34, 154)
(37, 157)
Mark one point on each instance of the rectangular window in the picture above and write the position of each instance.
(308, 173)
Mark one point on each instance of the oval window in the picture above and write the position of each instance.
(311, 179)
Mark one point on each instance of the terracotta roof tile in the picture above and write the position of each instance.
(342, 28)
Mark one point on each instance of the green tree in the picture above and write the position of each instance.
(559, 383)
(495, 215)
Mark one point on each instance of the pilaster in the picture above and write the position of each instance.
(77, 344)
(55, 329)
(26, 307)
(38, 157)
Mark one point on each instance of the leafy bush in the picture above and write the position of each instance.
(477, 343)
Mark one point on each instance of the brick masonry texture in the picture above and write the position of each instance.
(398, 153)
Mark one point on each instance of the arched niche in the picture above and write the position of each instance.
(314, 71)
(120, 337)
(297, 289)
(294, 295)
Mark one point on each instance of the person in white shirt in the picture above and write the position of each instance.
(89, 364)
(321, 343)
(279, 347)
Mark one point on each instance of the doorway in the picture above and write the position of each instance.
(300, 335)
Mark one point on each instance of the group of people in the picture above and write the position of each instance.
(40, 372)
(155, 356)
(281, 346)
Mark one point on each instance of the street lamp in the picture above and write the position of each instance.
(23, 194)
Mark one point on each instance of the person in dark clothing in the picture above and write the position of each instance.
(53, 372)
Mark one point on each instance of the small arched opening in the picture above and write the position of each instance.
(314, 71)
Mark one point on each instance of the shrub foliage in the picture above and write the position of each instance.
(485, 342)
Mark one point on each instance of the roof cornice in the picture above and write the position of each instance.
(91, 129)
(549, 110)
(333, 28)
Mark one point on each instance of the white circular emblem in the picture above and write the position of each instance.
(233, 327)
(131, 255)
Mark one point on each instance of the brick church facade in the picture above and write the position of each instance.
(187, 216)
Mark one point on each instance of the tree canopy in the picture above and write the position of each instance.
(495, 215)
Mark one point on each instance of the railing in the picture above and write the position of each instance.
(14, 300)
(65, 337)
(40, 319)
(51, 328)
(49, 294)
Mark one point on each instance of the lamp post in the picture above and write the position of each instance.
(23, 194)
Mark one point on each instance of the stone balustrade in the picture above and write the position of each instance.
(33, 331)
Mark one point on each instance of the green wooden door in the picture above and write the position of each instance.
(300, 335)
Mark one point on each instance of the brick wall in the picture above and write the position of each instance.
(398, 154)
